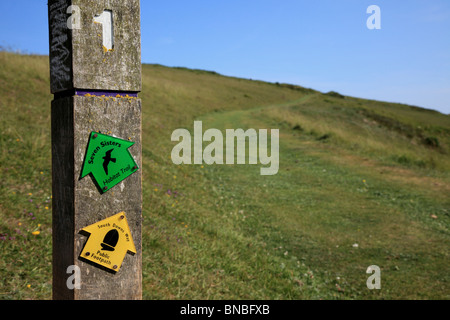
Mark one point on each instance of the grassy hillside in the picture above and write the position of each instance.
(360, 183)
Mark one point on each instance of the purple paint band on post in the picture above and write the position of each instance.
(99, 93)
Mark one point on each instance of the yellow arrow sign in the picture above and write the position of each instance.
(109, 240)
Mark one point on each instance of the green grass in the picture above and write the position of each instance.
(352, 171)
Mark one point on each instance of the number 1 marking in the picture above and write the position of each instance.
(106, 19)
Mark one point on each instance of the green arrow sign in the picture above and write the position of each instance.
(108, 160)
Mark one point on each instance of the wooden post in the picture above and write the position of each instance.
(95, 67)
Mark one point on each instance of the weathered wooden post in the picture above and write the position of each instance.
(95, 67)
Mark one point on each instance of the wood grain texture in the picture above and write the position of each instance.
(63, 227)
(78, 59)
(60, 38)
(78, 203)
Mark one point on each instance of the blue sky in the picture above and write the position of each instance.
(323, 44)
